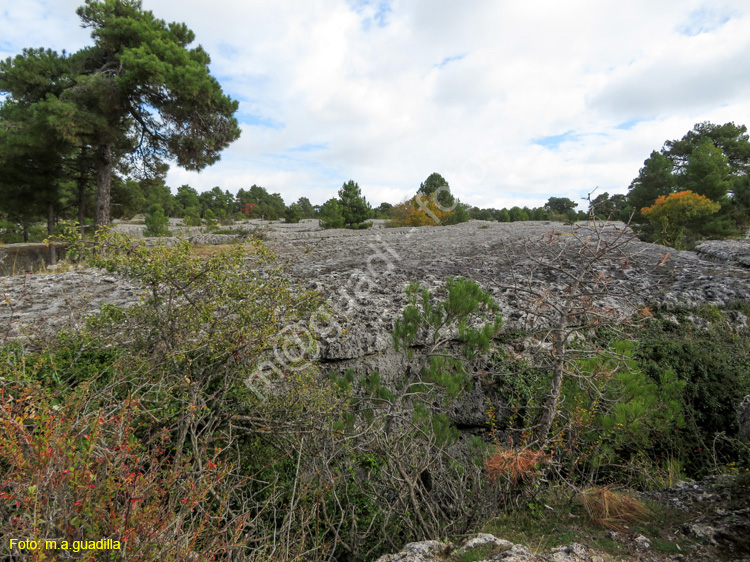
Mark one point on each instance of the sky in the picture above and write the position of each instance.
(511, 102)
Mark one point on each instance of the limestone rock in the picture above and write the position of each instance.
(731, 252)
(161, 241)
(424, 551)
(642, 543)
(485, 540)
(213, 239)
(572, 553)
(701, 531)
(488, 548)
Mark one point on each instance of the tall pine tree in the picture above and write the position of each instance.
(149, 86)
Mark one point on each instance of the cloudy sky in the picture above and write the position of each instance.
(511, 102)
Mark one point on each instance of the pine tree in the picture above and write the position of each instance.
(435, 183)
(141, 81)
(654, 180)
(354, 206)
(331, 215)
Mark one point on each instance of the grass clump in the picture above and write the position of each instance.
(612, 509)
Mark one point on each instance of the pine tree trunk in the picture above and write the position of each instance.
(103, 185)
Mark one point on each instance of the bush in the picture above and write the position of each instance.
(192, 217)
(712, 362)
(618, 426)
(71, 473)
(395, 463)
(674, 213)
(331, 214)
(210, 218)
(156, 222)
(411, 213)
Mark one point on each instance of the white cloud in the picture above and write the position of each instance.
(386, 93)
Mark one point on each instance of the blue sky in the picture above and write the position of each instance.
(511, 103)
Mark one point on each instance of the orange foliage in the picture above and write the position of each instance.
(680, 208)
(515, 464)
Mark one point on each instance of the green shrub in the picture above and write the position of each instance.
(192, 217)
(619, 425)
(210, 218)
(69, 234)
(156, 222)
(712, 362)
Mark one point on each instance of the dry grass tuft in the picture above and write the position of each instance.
(613, 510)
(515, 464)
(209, 250)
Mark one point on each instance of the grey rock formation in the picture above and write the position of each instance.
(53, 301)
(733, 252)
(424, 551)
(488, 548)
(213, 239)
(719, 510)
(364, 275)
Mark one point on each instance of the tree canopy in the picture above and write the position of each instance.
(34, 148)
(269, 206)
(331, 215)
(139, 90)
(615, 207)
(561, 205)
(437, 183)
(354, 207)
(710, 160)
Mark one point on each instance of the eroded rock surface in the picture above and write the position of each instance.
(55, 300)
(719, 507)
(734, 252)
(364, 274)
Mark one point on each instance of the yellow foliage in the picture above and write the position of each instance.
(680, 208)
(412, 213)
(674, 212)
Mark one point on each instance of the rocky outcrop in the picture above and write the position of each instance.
(364, 274)
(719, 510)
(214, 239)
(58, 300)
(731, 252)
(485, 547)
(715, 526)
